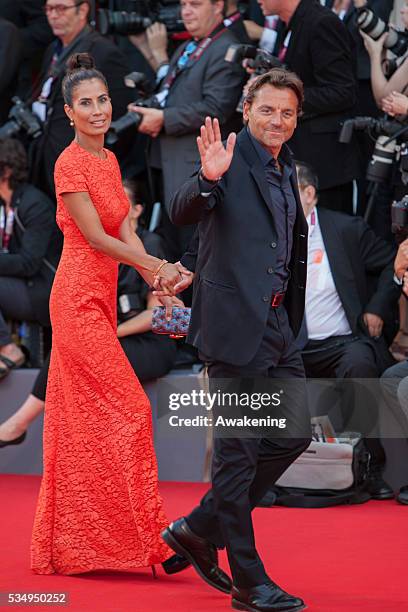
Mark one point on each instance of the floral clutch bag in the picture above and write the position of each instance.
(177, 327)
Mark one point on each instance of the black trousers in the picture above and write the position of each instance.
(15, 304)
(244, 468)
(149, 354)
(338, 357)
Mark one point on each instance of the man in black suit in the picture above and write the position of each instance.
(351, 313)
(69, 22)
(316, 45)
(248, 303)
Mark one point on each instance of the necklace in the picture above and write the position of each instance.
(99, 154)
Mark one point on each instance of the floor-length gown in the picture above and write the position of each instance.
(99, 506)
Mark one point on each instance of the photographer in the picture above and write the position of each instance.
(69, 23)
(394, 381)
(30, 249)
(10, 53)
(35, 33)
(199, 83)
(381, 86)
(317, 46)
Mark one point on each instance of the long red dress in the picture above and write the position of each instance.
(99, 506)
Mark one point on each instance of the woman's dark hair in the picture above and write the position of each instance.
(135, 189)
(13, 156)
(80, 67)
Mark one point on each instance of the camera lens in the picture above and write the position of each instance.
(370, 24)
(121, 125)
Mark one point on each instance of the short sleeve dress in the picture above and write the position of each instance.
(99, 506)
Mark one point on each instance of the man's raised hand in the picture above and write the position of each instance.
(215, 158)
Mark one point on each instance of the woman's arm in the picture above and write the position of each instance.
(143, 321)
(379, 84)
(84, 214)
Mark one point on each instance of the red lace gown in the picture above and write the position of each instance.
(99, 506)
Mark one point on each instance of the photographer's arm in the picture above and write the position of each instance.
(382, 87)
(152, 44)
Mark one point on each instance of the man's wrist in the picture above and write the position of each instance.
(206, 185)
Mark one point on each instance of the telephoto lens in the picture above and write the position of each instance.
(370, 24)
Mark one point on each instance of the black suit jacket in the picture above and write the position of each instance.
(10, 53)
(320, 52)
(236, 256)
(362, 267)
(57, 131)
(28, 248)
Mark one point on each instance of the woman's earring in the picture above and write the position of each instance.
(71, 123)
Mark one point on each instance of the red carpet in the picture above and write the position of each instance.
(337, 559)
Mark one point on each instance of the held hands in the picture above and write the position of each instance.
(215, 159)
(166, 278)
(401, 260)
(405, 284)
(185, 279)
(395, 104)
(374, 324)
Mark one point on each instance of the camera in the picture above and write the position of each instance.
(387, 147)
(139, 81)
(141, 14)
(399, 218)
(396, 41)
(261, 61)
(21, 118)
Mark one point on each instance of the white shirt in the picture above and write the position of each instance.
(324, 311)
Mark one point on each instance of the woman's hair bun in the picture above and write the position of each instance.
(80, 60)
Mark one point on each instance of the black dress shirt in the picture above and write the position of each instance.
(284, 203)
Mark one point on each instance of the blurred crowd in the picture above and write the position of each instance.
(169, 65)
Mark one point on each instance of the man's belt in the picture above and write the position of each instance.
(277, 299)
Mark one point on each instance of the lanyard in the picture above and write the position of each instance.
(231, 19)
(284, 49)
(195, 55)
(6, 227)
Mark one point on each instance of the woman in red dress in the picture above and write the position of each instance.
(99, 506)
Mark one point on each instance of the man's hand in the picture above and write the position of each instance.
(395, 104)
(374, 324)
(405, 284)
(215, 159)
(152, 122)
(401, 260)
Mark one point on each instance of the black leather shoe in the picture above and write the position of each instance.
(377, 487)
(402, 496)
(176, 563)
(18, 440)
(265, 598)
(202, 554)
